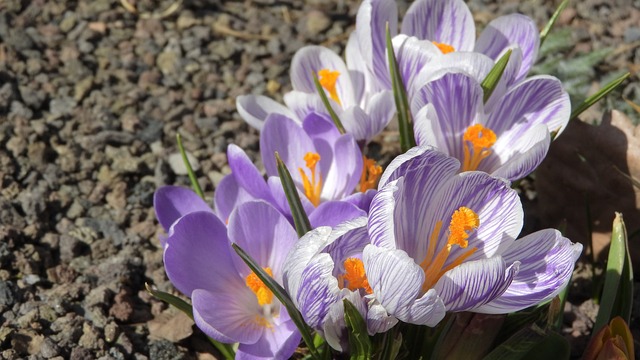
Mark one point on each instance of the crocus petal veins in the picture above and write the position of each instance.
(463, 222)
(371, 173)
(313, 186)
(444, 48)
(478, 141)
(354, 277)
(263, 294)
(328, 80)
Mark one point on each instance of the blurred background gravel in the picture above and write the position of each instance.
(91, 98)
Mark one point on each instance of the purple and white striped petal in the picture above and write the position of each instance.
(229, 195)
(446, 22)
(264, 233)
(475, 283)
(428, 310)
(419, 158)
(537, 100)
(196, 237)
(278, 342)
(412, 54)
(381, 221)
(310, 60)
(302, 104)
(334, 327)
(228, 316)
(378, 319)
(318, 290)
(547, 261)
(255, 109)
(173, 202)
(518, 156)
(509, 30)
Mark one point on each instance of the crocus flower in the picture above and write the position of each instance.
(363, 112)
(508, 136)
(230, 303)
(446, 241)
(324, 268)
(613, 341)
(449, 26)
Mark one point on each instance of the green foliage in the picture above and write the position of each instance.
(327, 105)
(187, 164)
(300, 219)
(359, 342)
(493, 77)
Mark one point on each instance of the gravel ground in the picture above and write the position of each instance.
(91, 99)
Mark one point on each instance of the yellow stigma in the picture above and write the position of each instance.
(328, 80)
(370, 174)
(445, 48)
(463, 222)
(478, 141)
(354, 276)
(263, 294)
(313, 186)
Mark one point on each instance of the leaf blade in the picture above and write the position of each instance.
(300, 219)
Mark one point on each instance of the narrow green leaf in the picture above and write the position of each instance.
(597, 96)
(359, 341)
(300, 219)
(405, 121)
(281, 294)
(562, 299)
(613, 274)
(552, 21)
(389, 345)
(327, 104)
(493, 77)
(192, 175)
(530, 343)
(225, 349)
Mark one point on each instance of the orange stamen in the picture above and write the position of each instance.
(263, 294)
(328, 80)
(463, 222)
(313, 186)
(355, 276)
(370, 174)
(478, 141)
(445, 48)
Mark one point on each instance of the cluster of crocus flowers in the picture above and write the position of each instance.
(435, 232)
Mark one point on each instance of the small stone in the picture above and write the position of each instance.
(68, 23)
(90, 337)
(316, 22)
(49, 349)
(6, 294)
(177, 165)
(111, 332)
(82, 88)
(186, 20)
(632, 34)
(164, 350)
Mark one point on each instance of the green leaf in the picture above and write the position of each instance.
(390, 344)
(359, 341)
(225, 349)
(327, 104)
(532, 343)
(521, 319)
(493, 77)
(405, 121)
(281, 294)
(300, 219)
(597, 96)
(617, 294)
(552, 21)
(192, 175)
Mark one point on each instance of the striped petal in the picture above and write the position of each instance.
(255, 109)
(318, 290)
(547, 261)
(518, 155)
(447, 22)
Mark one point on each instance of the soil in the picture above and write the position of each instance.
(92, 96)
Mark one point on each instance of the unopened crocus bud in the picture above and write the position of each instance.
(613, 341)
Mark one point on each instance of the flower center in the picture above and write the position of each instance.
(263, 294)
(354, 277)
(328, 80)
(313, 186)
(445, 48)
(463, 222)
(478, 141)
(370, 174)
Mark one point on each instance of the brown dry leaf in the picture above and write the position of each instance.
(172, 324)
(591, 169)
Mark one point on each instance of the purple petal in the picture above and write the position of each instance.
(247, 175)
(475, 283)
(509, 30)
(278, 342)
(280, 198)
(357, 123)
(310, 60)
(264, 233)
(519, 156)
(228, 316)
(303, 104)
(395, 278)
(322, 131)
(381, 108)
(228, 196)
(173, 202)
(196, 240)
(255, 109)
(361, 199)
(547, 261)
(283, 135)
(345, 169)
(446, 22)
(371, 22)
(332, 213)
(426, 128)
(537, 100)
